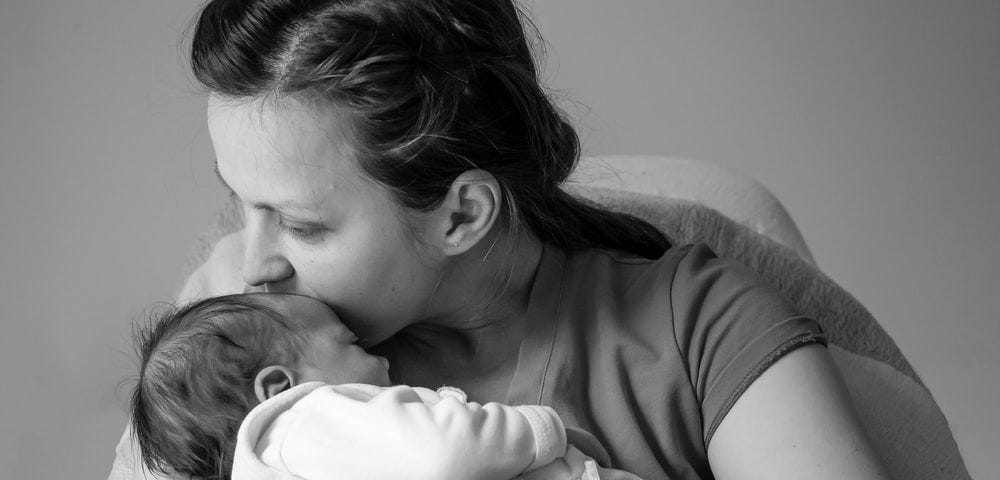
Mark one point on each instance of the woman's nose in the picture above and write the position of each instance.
(262, 262)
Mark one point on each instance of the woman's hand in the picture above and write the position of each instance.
(575, 466)
(795, 421)
(571, 466)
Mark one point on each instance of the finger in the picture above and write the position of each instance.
(576, 461)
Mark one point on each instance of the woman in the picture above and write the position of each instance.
(398, 160)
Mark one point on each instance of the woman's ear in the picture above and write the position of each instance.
(469, 210)
(271, 381)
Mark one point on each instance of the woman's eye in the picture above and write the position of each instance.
(302, 233)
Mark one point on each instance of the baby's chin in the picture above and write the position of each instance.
(378, 378)
(382, 380)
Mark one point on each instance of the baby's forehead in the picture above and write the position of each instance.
(294, 306)
(282, 299)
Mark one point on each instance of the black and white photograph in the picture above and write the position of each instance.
(500, 239)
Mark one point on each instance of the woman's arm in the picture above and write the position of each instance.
(221, 273)
(795, 421)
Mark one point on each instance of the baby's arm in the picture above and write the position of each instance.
(396, 434)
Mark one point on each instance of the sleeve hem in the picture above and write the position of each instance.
(751, 362)
(548, 433)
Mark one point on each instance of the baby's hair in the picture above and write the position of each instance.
(196, 380)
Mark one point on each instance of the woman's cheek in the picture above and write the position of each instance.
(340, 279)
(308, 278)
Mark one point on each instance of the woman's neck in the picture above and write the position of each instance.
(474, 343)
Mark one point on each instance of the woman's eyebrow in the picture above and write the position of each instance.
(289, 206)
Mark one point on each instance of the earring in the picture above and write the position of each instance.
(455, 244)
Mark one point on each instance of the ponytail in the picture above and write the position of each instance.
(574, 223)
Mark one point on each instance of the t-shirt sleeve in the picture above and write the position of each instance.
(730, 326)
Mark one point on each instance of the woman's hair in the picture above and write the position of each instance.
(433, 87)
(196, 380)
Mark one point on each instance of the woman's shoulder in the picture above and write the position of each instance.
(621, 292)
(687, 284)
(600, 268)
(220, 274)
(678, 264)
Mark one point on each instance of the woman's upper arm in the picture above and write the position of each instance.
(221, 274)
(795, 421)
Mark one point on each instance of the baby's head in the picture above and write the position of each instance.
(205, 365)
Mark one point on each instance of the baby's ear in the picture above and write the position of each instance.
(271, 381)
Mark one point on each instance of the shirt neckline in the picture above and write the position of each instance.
(544, 305)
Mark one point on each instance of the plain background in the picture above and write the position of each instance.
(877, 123)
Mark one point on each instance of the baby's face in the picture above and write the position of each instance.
(332, 353)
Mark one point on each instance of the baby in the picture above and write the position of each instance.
(274, 385)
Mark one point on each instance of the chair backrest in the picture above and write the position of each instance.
(696, 202)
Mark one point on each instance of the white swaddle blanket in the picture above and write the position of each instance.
(316, 431)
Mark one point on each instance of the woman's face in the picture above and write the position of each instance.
(314, 224)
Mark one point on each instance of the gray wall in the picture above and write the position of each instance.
(876, 123)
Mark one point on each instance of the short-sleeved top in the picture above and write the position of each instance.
(649, 355)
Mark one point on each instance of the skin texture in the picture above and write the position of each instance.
(316, 226)
(795, 421)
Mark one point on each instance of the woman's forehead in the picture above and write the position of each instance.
(277, 150)
(281, 130)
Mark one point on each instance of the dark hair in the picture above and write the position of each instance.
(434, 88)
(197, 367)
